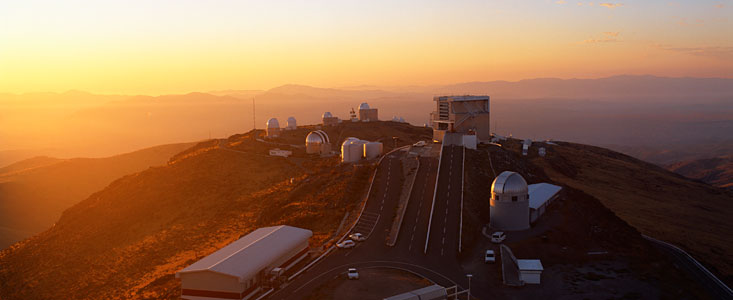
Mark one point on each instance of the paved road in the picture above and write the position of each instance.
(712, 284)
(446, 213)
(440, 264)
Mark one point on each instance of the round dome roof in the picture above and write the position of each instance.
(364, 106)
(317, 137)
(291, 120)
(272, 123)
(327, 115)
(509, 182)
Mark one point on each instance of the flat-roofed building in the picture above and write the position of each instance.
(242, 268)
(461, 114)
(541, 195)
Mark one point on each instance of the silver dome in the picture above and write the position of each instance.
(327, 115)
(364, 106)
(292, 123)
(272, 123)
(509, 183)
(317, 137)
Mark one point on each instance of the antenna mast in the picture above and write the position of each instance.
(254, 122)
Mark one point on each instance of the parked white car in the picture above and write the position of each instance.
(498, 237)
(352, 274)
(357, 237)
(490, 256)
(347, 244)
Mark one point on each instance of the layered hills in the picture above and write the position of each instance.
(128, 240)
(35, 191)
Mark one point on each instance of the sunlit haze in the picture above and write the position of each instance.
(159, 47)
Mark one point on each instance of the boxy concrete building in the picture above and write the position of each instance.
(242, 268)
(461, 114)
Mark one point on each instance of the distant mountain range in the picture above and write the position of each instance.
(34, 192)
(639, 112)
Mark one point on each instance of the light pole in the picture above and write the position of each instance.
(469, 285)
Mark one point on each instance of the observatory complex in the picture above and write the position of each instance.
(468, 115)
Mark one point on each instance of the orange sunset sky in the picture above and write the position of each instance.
(158, 47)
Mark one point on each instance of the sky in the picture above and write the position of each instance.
(160, 47)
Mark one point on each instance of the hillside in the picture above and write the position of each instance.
(717, 171)
(34, 192)
(659, 203)
(127, 241)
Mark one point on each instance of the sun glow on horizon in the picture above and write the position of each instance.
(183, 46)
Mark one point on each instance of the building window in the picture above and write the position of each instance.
(514, 198)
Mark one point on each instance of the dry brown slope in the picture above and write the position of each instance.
(34, 192)
(127, 241)
(659, 203)
(717, 171)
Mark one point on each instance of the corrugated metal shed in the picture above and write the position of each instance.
(248, 255)
(540, 193)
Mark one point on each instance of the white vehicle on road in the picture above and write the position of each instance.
(357, 237)
(498, 237)
(490, 256)
(420, 144)
(352, 274)
(347, 244)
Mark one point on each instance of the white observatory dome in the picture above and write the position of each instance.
(327, 115)
(509, 203)
(509, 183)
(272, 123)
(316, 138)
(292, 124)
(363, 106)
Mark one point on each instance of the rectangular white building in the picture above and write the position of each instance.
(530, 270)
(541, 195)
(239, 270)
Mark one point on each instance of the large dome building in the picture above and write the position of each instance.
(509, 204)
(273, 128)
(317, 142)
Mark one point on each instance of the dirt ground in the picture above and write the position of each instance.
(373, 283)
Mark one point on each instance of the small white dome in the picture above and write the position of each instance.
(364, 106)
(292, 123)
(327, 115)
(272, 123)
